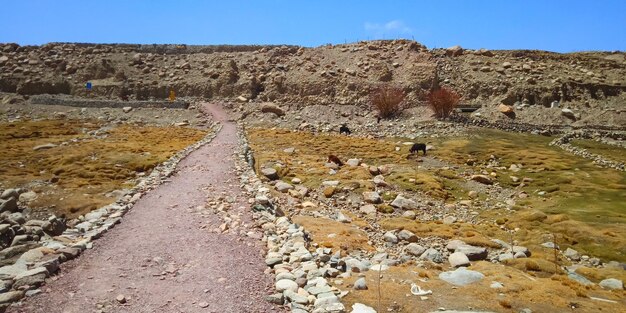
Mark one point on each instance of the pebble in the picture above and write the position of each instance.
(203, 304)
(120, 298)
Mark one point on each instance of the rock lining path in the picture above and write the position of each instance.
(160, 259)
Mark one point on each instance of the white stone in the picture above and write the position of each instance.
(286, 284)
(458, 259)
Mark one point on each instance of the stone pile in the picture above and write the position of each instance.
(563, 142)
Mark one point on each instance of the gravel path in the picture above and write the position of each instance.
(163, 256)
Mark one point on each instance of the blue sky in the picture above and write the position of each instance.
(554, 25)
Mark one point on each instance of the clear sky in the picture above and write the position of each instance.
(554, 25)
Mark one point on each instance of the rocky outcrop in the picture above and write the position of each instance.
(341, 74)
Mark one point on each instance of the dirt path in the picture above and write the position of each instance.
(160, 258)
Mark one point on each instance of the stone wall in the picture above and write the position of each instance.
(96, 103)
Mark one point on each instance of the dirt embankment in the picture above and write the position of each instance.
(341, 74)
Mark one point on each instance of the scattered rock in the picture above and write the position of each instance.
(120, 299)
(483, 179)
(568, 113)
(457, 259)
(449, 220)
(454, 51)
(343, 218)
(472, 253)
(612, 284)
(572, 254)
(270, 107)
(404, 203)
(270, 173)
(414, 249)
(461, 276)
(362, 308)
(390, 237)
(9, 205)
(407, 235)
(372, 197)
(283, 186)
(432, 255)
(368, 209)
(506, 109)
(360, 284)
(353, 162)
(33, 278)
(10, 296)
(286, 284)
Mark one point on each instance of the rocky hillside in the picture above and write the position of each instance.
(341, 74)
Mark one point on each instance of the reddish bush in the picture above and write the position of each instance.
(388, 100)
(443, 101)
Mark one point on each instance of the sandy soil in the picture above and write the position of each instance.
(162, 257)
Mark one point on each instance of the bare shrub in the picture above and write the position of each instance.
(388, 100)
(443, 101)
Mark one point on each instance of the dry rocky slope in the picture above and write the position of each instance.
(589, 83)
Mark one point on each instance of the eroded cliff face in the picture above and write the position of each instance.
(342, 74)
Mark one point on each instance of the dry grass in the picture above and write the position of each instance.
(308, 162)
(585, 210)
(520, 291)
(584, 202)
(528, 282)
(86, 168)
(335, 235)
(608, 151)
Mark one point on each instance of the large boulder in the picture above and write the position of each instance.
(568, 113)
(10, 193)
(472, 253)
(270, 107)
(454, 51)
(612, 284)
(54, 226)
(9, 205)
(461, 276)
(506, 109)
(404, 203)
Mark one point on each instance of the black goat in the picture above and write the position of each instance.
(417, 147)
(344, 129)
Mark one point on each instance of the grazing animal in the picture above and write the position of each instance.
(344, 129)
(417, 147)
(334, 159)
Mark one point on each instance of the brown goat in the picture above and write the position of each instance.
(334, 159)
